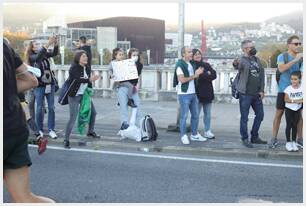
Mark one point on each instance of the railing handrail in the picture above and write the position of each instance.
(158, 78)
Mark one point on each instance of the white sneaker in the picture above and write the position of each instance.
(52, 134)
(185, 139)
(294, 146)
(41, 134)
(209, 135)
(289, 147)
(197, 137)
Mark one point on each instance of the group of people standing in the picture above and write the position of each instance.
(18, 79)
(290, 95)
(193, 79)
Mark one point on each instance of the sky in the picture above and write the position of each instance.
(194, 12)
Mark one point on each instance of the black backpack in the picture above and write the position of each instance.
(234, 85)
(278, 73)
(148, 129)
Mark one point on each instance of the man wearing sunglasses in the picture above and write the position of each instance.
(287, 63)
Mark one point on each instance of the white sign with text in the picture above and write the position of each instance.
(124, 70)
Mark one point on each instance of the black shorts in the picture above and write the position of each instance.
(15, 151)
(280, 101)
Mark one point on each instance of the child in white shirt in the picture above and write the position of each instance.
(294, 102)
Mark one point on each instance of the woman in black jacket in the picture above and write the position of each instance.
(38, 57)
(80, 78)
(204, 89)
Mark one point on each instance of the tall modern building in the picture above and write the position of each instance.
(142, 33)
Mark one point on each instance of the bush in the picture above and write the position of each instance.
(67, 59)
(16, 41)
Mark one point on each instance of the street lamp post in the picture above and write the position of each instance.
(181, 29)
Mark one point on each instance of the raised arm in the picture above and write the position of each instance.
(282, 67)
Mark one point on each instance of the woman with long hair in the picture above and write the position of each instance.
(80, 78)
(31, 97)
(37, 56)
(204, 89)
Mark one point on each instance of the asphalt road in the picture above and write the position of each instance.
(116, 177)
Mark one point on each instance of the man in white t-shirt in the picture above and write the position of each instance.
(184, 77)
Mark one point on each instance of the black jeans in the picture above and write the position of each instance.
(292, 119)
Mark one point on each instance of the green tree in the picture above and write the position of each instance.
(274, 58)
(107, 56)
(67, 59)
(270, 52)
(95, 57)
(17, 40)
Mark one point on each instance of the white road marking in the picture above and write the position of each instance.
(177, 157)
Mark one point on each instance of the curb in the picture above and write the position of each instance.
(226, 152)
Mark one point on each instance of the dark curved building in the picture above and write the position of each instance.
(143, 33)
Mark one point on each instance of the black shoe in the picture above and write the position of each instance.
(131, 103)
(258, 141)
(67, 144)
(124, 126)
(247, 143)
(273, 143)
(93, 135)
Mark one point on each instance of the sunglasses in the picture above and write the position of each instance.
(297, 44)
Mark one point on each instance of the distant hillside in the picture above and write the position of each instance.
(196, 28)
(294, 19)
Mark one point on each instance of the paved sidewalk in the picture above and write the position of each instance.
(225, 125)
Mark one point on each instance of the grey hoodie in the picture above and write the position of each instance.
(244, 68)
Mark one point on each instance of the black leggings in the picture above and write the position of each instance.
(292, 119)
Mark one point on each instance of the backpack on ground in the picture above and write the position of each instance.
(148, 129)
(278, 73)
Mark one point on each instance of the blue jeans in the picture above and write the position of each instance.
(189, 102)
(207, 114)
(245, 102)
(122, 95)
(40, 95)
